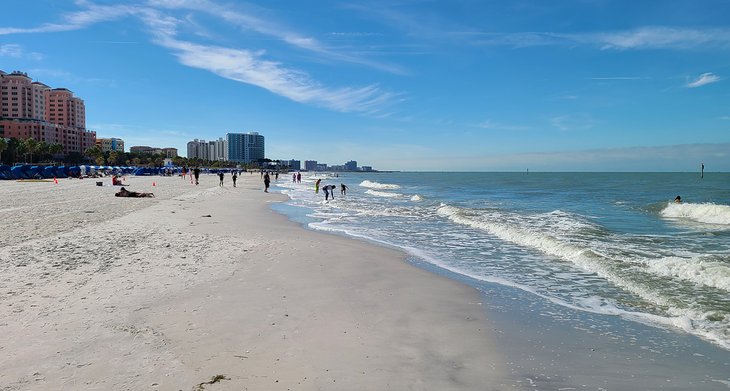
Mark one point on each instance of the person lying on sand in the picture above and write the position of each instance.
(126, 193)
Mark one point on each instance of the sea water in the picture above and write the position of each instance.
(607, 243)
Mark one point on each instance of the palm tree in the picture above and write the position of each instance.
(95, 154)
(3, 147)
(42, 150)
(55, 149)
(31, 146)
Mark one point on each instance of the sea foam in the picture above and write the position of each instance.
(380, 186)
(702, 213)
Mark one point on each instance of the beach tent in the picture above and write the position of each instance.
(5, 172)
(61, 172)
(20, 172)
(74, 171)
(33, 170)
(48, 172)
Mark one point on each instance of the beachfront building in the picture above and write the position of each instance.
(294, 164)
(245, 147)
(198, 149)
(143, 149)
(310, 165)
(110, 144)
(31, 109)
(351, 166)
(218, 150)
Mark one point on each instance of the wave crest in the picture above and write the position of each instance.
(377, 185)
(703, 213)
(383, 194)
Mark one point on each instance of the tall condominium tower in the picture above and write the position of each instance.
(245, 147)
(33, 109)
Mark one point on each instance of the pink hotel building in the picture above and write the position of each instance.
(33, 109)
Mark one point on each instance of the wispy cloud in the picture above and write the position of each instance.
(572, 122)
(250, 67)
(620, 78)
(91, 14)
(642, 38)
(703, 79)
(492, 125)
(17, 51)
(249, 21)
(238, 64)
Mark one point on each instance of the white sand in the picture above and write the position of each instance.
(106, 293)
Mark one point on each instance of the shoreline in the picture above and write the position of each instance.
(549, 345)
(171, 292)
(244, 293)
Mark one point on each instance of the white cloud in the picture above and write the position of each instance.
(234, 63)
(249, 21)
(92, 14)
(703, 79)
(250, 67)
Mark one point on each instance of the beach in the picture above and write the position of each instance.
(205, 287)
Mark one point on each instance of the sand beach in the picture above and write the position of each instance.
(205, 287)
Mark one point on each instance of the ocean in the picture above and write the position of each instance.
(605, 243)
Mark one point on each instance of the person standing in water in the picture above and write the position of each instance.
(343, 189)
(316, 186)
(329, 190)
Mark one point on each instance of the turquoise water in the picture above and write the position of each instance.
(608, 243)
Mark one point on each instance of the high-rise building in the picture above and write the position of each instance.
(351, 165)
(218, 150)
(295, 164)
(198, 149)
(245, 147)
(310, 165)
(33, 109)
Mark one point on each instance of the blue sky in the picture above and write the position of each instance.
(582, 85)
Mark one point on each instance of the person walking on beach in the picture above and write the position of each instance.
(221, 175)
(267, 181)
(196, 173)
(299, 177)
(343, 189)
(184, 172)
(316, 186)
(234, 177)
